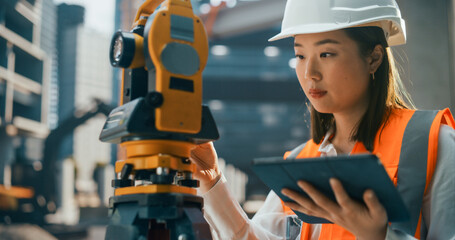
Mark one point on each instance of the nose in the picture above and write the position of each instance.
(312, 70)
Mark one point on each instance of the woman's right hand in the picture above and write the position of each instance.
(207, 170)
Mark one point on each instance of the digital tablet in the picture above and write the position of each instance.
(357, 173)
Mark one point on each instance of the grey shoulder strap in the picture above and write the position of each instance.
(412, 168)
(293, 227)
(295, 152)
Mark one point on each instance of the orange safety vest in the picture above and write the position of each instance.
(407, 147)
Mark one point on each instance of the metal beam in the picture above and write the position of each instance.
(24, 83)
(22, 43)
(253, 90)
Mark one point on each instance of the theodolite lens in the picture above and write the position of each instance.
(122, 51)
(118, 48)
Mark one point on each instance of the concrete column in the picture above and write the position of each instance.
(9, 83)
(452, 51)
(427, 58)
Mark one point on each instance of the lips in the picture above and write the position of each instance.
(317, 93)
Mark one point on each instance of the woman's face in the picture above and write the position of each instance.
(332, 72)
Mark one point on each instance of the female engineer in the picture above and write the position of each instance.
(357, 104)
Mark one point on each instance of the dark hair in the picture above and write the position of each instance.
(386, 92)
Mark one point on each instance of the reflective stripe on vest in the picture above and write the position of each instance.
(295, 152)
(412, 168)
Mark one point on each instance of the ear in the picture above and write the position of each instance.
(375, 58)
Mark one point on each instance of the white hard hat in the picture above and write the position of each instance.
(315, 16)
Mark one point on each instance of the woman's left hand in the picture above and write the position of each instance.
(365, 221)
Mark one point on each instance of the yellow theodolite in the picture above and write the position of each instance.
(160, 119)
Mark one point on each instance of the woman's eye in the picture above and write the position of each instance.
(326, 54)
(299, 56)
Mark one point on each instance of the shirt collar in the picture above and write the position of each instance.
(327, 147)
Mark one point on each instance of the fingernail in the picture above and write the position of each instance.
(370, 194)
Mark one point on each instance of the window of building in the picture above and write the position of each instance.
(28, 66)
(3, 55)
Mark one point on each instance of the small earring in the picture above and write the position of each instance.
(372, 75)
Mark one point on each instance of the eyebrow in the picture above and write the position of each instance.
(325, 41)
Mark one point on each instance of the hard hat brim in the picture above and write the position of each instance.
(394, 39)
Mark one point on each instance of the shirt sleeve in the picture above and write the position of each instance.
(439, 202)
(438, 207)
(227, 219)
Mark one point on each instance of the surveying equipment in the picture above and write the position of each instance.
(160, 119)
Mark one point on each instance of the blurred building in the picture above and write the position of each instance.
(49, 45)
(84, 75)
(27, 51)
(68, 17)
(125, 12)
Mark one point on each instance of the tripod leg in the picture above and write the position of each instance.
(190, 226)
(157, 231)
(124, 224)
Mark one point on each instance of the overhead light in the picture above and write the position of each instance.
(215, 3)
(271, 51)
(37, 166)
(231, 3)
(216, 105)
(270, 120)
(219, 50)
(292, 63)
(204, 8)
(11, 130)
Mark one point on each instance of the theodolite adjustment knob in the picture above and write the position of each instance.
(154, 99)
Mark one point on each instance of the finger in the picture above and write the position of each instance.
(318, 198)
(203, 146)
(299, 199)
(374, 206)
(200, 163)
(198, 155)
(341, 195)
(308, 208)
(195, 159)
(206, 145)
(296, 207)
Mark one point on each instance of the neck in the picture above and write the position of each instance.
(345, 126)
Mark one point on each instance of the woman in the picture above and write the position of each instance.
(345, 67)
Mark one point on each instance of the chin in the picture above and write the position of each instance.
(322, 109)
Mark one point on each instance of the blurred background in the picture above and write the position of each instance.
(57, 86)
